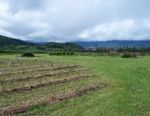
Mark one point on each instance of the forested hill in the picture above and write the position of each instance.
(11, 44)
(10, 41)
(65, 46)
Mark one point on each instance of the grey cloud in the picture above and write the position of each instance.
(72, 20)
(16, 6)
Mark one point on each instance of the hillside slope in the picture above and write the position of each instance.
(65, 46)
(11, 44)
(11, 41)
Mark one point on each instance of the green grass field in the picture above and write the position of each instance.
(127, 92)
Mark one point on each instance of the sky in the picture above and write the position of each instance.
(75, 20)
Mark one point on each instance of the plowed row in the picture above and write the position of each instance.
(46, 69)
(43, 84)
(50, 86)
(49, 100)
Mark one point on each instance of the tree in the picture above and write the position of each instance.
(130, 48)
(143, 49)
(1, 47)
(127, 47)
(149, 48)
(120, 50)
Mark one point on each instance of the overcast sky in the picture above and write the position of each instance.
(75, 20)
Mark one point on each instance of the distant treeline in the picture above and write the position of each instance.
(128, 49)
(21, 52)
(62, 53)
(133, 49)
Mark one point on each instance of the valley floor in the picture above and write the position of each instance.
(127, 92)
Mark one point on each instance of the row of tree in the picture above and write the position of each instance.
(128, 48)
(134, 49)
(62, 53)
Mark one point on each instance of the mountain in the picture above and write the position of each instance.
(11, 41)
(38, 43)
(11, 44)
(114, 44)
(65, 46)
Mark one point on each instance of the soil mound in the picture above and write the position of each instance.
(28, 55)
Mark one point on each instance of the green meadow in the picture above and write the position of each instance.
(127, 92)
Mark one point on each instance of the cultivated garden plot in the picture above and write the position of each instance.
(26, 83)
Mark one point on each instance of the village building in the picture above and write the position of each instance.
(113, 51)
(95, 48)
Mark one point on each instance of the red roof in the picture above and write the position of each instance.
(113, 51)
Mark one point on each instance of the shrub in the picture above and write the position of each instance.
(126, 55)
(64, 53)
(58, 53)
(51, 53)
(68, 53)
(71, 52)
(134, 55)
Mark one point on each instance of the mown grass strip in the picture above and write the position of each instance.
(46, 69)
(20, 65)
(10, 110)
(41, 76)
(35, 86)
(27, 67)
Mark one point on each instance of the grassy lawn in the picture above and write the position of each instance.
(127, 93)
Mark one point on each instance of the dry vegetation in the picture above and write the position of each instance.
(36, 82)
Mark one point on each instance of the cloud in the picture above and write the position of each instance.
(109, 31)
(123, 30)
(72, 20)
